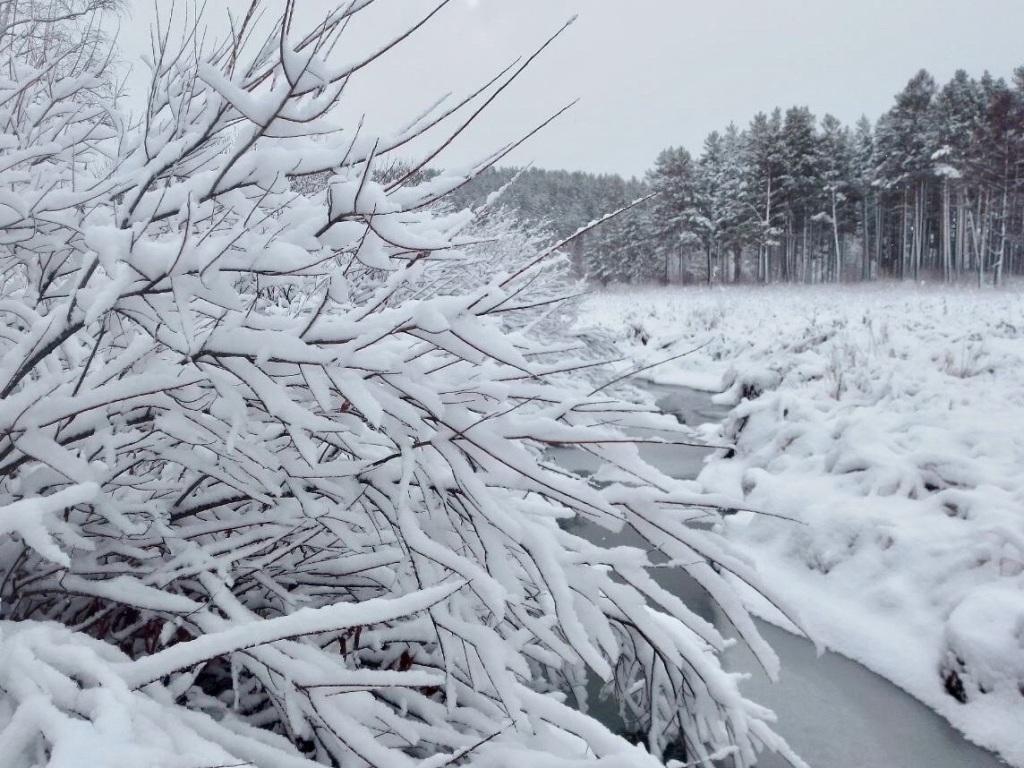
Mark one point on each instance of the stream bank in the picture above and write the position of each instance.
(834, 712)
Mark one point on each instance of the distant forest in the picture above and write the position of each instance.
(934, 189)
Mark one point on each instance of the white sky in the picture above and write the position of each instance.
(654, 73)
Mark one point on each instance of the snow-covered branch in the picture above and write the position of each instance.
(291, 471)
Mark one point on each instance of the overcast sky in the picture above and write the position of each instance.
(653, 73)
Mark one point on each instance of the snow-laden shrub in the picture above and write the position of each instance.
(269, 496)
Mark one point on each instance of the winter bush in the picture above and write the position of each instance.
(272, 478)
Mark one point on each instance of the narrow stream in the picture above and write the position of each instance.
(834, 712)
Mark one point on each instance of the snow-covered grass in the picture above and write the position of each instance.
(888, 423)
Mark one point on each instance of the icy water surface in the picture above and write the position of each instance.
(679, 461)
(834, 712)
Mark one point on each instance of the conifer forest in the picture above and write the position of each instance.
(934, 187)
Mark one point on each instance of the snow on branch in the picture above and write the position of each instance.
(275, 484)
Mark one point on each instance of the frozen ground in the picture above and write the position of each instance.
(888, 424)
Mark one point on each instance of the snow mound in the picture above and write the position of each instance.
(985, 642)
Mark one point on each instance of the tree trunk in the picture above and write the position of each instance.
(978, 237)
(919, 220)
(787, 272)
(766, 236)
(904, 232)
(865, 255)
(879, 224)
(807, 263)
(947, 253)
(837, 272)
(997, 274)
(960, 255)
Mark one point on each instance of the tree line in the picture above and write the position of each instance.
(557, 203)
(934, 189)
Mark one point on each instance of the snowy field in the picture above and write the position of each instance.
(883, 429)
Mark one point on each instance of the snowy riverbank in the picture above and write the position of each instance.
(888, 422)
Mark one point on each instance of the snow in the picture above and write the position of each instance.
(273, 478)
(275, 483)
(33, 518)
(64, 706)
(886, 422)
(985, 638)
(305, 621)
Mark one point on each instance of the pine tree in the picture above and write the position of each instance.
(801, 185)
(958, 115)
(862, 184)
(708, 220)
(739, 224)
(1001, 147)
(835, 163)
(905, 162)
(672, 213)
(765, 166)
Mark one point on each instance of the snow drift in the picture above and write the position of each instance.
(881, 428)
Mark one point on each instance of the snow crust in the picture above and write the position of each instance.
(883, 430)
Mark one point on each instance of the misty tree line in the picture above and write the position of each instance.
(934, 189)
(557, 203)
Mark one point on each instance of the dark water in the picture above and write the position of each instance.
(834, 712)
